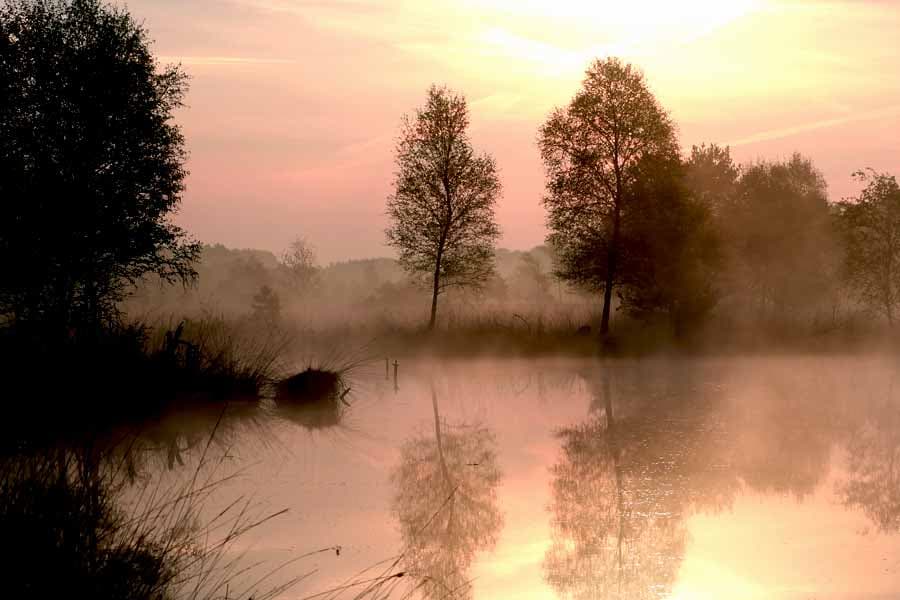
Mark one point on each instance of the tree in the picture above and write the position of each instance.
(711, 176)
(591, 150)
(530, 281)
(442, 209)
(777, 235)
(870, 226)
(300, 261)
(266, 305)
(671, 251)
(91, 164)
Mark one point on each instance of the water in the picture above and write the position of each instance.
(775, 478)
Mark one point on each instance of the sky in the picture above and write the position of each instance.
(295, 105)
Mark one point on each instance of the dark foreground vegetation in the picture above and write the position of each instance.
(648, 249)
(80, 528)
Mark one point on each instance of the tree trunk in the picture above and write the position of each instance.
(611, 260)
(434, 296)
(607, 299)
(435, 290)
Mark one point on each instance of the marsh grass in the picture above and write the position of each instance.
(76, 527)
(495, 333)
(75, 387)
(218, 358)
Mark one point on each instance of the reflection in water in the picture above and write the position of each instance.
(313, 416)
(190, 431)
(873, 465)
(446, 503)
(784, 434)
(621, 493)
(689, 478)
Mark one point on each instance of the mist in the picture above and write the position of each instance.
(376, 301)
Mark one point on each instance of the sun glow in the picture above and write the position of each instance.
(557, 38)
(626, 22)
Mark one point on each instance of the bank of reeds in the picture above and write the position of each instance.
(74, 526)
(66, 388)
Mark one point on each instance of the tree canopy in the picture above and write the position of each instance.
(591, 151)
(870, 226)
(778, 235)
(442, 208)
(91, 162)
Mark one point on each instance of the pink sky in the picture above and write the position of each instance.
(294, 104)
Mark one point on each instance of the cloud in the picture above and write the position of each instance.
(224, 60)
(775, 134)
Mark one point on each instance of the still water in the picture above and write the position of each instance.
(737, 478)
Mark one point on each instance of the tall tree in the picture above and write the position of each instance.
(778, 236)
(870, 225)
(299, 261)
(91, 164)
(671, 258)
(591, 150)
(442, 209)
(711, 176)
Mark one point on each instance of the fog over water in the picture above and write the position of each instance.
(405, 300)
(768, 477)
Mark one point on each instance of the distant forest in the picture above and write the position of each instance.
(257, 283)
(646, 240)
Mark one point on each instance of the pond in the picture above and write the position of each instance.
(750, 477)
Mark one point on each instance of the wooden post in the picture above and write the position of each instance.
(387, 368)
(396, 365)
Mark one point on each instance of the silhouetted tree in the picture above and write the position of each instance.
(778, 236)
(266, 305)
(442, 209)
(91, 165)
(591, 150)
(530, 280)
(870, 225)
(671, 255)
(446, 504)
(711, 176)
(300, 261)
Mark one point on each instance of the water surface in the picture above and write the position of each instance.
(734, 478)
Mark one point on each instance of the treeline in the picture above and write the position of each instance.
(657, 236)
(258, 284)
(92, 167)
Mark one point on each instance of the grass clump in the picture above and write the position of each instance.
(63, 389)
(77, 527)
(219, 359)
(67, 539)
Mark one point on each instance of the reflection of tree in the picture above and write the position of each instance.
(186, 433)
(784, 433)
(873, 471)
(446, 503)
(620, 495)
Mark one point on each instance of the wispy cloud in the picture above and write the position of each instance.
(784, 132)
(224, 60)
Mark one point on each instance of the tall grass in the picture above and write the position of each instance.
(219, 358)
(74, 527)
(65, 389)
